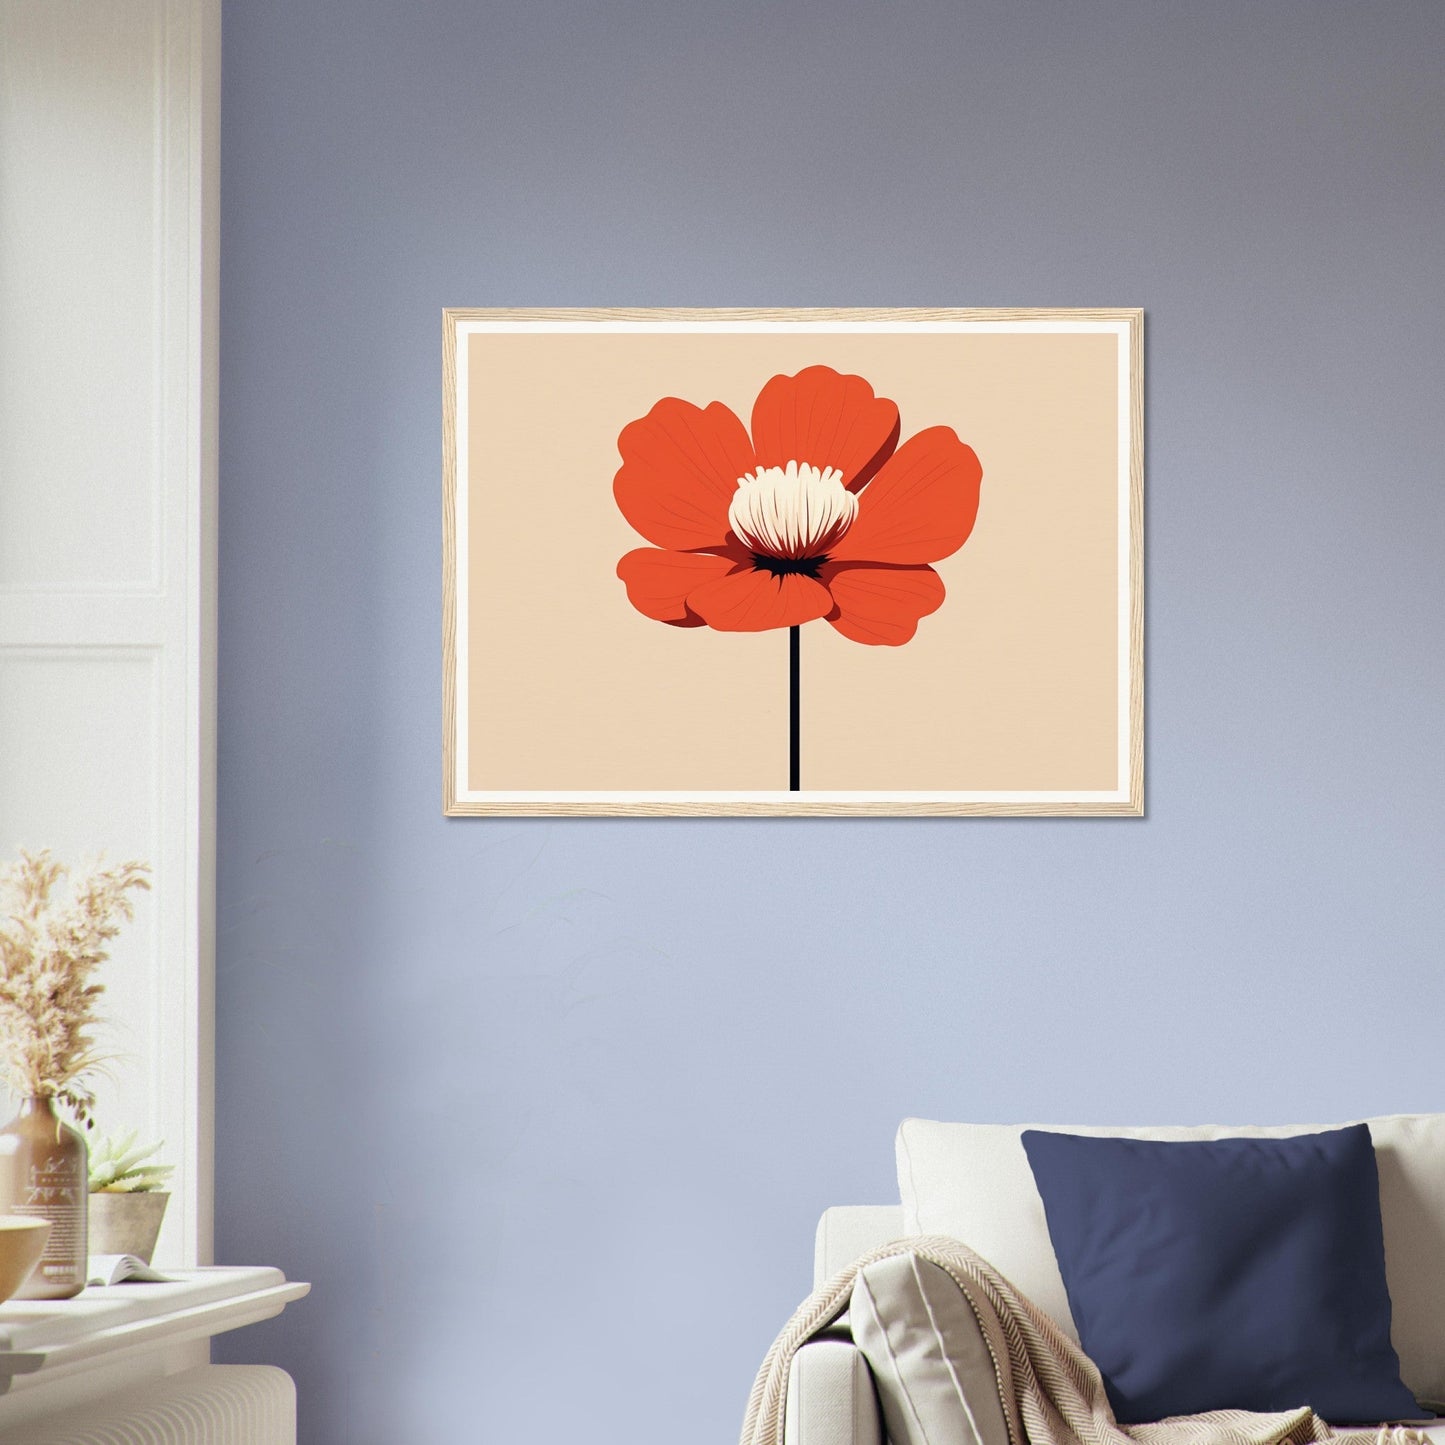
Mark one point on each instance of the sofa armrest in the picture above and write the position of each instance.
(831, 1399)
(847, 1231)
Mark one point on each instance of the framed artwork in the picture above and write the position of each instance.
(793, 562)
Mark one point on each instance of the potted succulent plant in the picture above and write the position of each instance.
(127, 1197)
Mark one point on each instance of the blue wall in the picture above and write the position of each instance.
(546, 1110)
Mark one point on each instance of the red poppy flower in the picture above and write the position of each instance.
(818, 514)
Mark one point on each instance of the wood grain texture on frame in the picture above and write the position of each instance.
(455, 803)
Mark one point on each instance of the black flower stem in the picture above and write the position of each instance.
(794, 711)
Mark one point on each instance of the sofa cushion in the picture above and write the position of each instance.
(1244, 1274)
(936, 1379)
(972, 1181)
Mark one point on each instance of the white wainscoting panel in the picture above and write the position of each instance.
(108, 287)
(81, 216)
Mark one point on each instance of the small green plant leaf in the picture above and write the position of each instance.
(115, 1166)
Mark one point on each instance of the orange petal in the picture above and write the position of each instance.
(830, 420)
(881, 605)
(920, 507)
(658, 582)
(751, 601)
(680, 468)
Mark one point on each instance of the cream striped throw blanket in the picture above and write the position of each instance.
(1050, 1391)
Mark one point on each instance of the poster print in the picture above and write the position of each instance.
(793, 562)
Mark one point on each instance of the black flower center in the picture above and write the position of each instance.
(787, 566)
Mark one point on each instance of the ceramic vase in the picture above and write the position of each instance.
(43, 1175)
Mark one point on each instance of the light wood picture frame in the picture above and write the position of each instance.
(820, 562)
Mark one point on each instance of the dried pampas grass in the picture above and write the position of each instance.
(50, 947)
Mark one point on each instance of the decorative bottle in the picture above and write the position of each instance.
(46, 1164)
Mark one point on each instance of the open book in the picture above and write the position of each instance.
(122, 1269)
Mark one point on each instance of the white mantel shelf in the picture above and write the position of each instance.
(45, 1340)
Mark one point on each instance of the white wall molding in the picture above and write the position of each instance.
(109, 211)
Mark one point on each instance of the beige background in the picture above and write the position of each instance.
(1012, 685)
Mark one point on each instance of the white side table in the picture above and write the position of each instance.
(128, 1348)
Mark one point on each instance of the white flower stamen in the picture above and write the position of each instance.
(792, 512)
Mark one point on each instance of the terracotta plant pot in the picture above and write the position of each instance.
(126, 1223)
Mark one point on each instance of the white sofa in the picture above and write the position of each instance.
(972, 1182)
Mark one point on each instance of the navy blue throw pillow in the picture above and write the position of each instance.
(1226, 1274)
